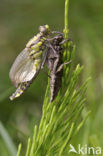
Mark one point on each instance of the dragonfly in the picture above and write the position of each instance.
(55, 64)
(28, 63)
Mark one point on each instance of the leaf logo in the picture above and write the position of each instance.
(72, 149)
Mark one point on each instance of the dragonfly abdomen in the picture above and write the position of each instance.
(20, 90)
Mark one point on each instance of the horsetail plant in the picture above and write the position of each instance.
(61, 119)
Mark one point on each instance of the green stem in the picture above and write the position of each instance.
(19, 150)
(66, 29)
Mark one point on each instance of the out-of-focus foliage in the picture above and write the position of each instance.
(19, 21)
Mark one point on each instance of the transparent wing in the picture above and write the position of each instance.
(24, 68)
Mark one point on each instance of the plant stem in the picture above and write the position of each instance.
(66, 29)
(19, 150)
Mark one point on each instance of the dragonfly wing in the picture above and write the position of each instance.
(24, 68)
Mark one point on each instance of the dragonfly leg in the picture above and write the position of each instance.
(52, 48)
(50, 45)
(62, 65)
(64, 41)
(57, 32)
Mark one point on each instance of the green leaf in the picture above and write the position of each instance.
(7, 139)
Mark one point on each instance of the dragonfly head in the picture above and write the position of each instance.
(45, 29)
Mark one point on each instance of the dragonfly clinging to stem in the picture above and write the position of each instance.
(28, 63)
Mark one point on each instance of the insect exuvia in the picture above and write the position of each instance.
(28, 63)
(55, 64)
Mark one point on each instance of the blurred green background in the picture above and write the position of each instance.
(19, 21)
